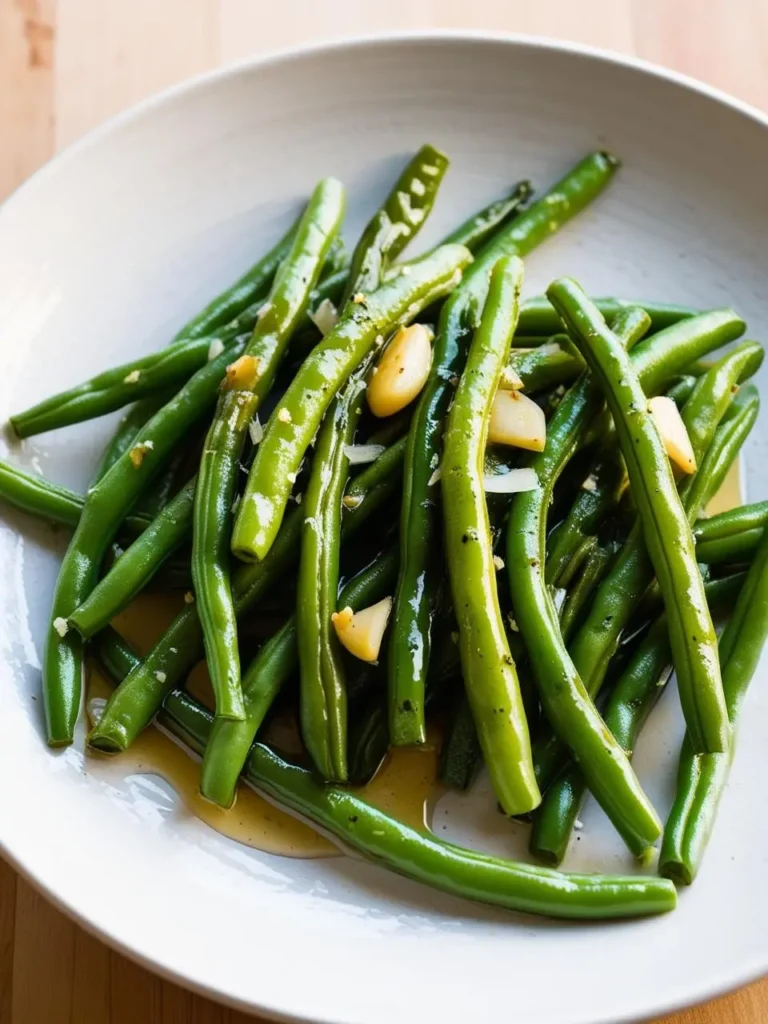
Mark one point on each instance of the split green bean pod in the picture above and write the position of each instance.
(289, 433)
(409, 644)
(488, 668)
(241, 394)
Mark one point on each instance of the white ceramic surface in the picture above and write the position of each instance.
(112, 246)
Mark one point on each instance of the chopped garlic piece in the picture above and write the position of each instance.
(132, 377)
(362, 632)
(325, 317)
(291, 478)
(360, 454)
(189, 597)
(675, 437)
(215, 349)
(590, 484)
(256, 430)
(242, 374)
(437, 475)
(514, 482)
(358, 298)
(61, 626)
(160, 676)
(351, 500)
(517, 420)
(403, 371)
(284, 416)
(498, 562)
(138, 452)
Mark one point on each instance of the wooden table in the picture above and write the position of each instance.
(66, 66)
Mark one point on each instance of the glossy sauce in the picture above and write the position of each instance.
(405, 786)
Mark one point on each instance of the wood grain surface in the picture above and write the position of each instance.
(66, 66)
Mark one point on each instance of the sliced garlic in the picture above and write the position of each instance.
(242, 374)
(362, 632)
(402, 371)
(517, 420)
(670, 425)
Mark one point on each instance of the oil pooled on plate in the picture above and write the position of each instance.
(404, 787)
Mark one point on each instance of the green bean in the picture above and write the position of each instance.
(106, 504)
(397, 221)
(229, 743)
(730, 536)
(410, 852)
(39, 497)
(564, 697)
(247, 382)
(419, 855)
(461, 754)
(323, 695)
(538, 316)
(489, 671)
(599, 492)
(667, 532)
(289, 434)
(682, 389)
(634, 696)
(151, 375)
(137, 565)
(127, 431)
(136, 701)
(702, 779)
(409, 643)
(481, 226)
(545, 367)
(582, 590)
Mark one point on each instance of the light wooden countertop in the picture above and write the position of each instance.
(66, 66)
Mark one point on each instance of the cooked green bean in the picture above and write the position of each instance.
(489, 671)
(323, 695)
(136, 701)
(564, 697)
(229, 743)
(461, 754)
(151, 375)
(106, 504)
(409, 644)
(137, 565)
(631, 701)
(410, 852)
(289, 433)
(247, 382)
(666, 530)
(701, 779)
(538, 316)
(730, 536)
(477, 230)
(545, 367)
(396, 222)
(39, 497)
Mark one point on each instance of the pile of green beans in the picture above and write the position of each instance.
(591, 567)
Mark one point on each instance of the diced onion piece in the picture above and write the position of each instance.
(517, 420)
(362, 632)
(510, 380)
(325, 317)
(670, 425)
(359, 454)
(514, 482)
(402, 371)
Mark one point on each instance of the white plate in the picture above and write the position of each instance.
(111, 247)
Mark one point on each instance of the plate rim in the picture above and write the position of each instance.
(754, 969)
